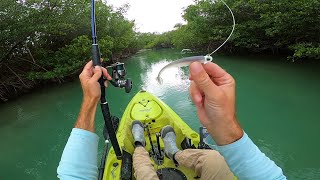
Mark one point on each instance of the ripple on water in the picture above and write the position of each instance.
(35, 169)
(24, 119)
(304, 173)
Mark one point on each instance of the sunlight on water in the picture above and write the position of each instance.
(173, 79)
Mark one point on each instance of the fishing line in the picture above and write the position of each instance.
(202, 59)
(233, 27)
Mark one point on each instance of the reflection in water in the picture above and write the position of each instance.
(173, 79)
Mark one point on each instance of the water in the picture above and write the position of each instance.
(277, 106)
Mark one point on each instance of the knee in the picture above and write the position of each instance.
(214, 165)
(212, 154)
(213, 159)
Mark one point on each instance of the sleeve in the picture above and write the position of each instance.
(246, 161)
(79, 157)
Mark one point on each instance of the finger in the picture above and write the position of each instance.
(217, 74)
(196, 94)
(97, 73)
(190, 78)
(106, 74)
(202, 114)
(202, 79)
(106, 83)
(198, 99)
(88, 66)
(87, 71)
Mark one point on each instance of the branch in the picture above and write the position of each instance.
(5, 86)
(14, 46)
(32, 63)
(60, 80)
(2, 97)
(16, 75)
(30, 55)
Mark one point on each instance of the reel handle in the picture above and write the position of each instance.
(118, 76)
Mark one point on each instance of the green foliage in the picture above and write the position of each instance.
(65, 61)
(153, 40)
(144, 39)
(185, 38)
(272, 25)
(51, 39)
(161, 41)
(306, 51)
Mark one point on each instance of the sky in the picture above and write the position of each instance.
(154, 15)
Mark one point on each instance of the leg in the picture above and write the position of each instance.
(208, 164)
(142, 165)
(143, 168)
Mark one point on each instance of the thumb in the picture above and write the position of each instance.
(97, 73)
(200, 77)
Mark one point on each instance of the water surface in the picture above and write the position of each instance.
(278, 106)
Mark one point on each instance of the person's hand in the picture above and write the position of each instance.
(89, 81)
(212, 90)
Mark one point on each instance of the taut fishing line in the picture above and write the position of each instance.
(202, 59)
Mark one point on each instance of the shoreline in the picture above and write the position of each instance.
(34, 86)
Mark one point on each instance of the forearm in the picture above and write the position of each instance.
(86, 118)
(79, 158)
(246, 161)
(227, 132)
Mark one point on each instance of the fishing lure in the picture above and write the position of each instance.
(184, 62)
(202, 59)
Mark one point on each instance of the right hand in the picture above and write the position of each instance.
(89, 82)
(212, 90)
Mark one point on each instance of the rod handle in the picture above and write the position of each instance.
(96, 55)
(110, 129)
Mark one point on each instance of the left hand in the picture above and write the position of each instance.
(89, 81)
(213, 92)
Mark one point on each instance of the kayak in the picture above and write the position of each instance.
(154, 114)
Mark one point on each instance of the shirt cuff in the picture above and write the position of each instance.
(237, 144)
(84, 133)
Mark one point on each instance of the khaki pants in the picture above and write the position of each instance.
(208, 164)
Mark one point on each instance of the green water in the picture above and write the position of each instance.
(278, 106)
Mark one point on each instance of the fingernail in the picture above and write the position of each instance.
(97, 67)
(196, 68)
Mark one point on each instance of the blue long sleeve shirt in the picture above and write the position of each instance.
(246, 161)
(79, 157)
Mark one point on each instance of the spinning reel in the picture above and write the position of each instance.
(118, 77)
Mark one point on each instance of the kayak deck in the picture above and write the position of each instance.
(154, 114)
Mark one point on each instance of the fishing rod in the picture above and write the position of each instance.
(118, 80)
